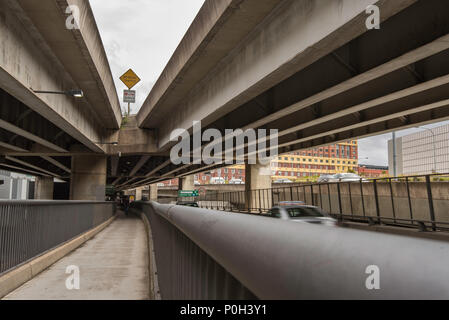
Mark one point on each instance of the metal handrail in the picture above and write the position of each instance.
(332, 197)
(277, 259)
(28, 229)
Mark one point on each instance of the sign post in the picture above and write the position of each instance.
(130, 79)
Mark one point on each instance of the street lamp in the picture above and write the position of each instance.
(76, 93)
(434, 150)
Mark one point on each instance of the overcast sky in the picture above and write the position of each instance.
(143, 34)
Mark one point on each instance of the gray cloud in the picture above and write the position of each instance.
(142, 35)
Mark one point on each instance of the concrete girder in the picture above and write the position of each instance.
(56, 163)
(21, 170)
(27, 62)
(273, 53)
(26, 164)
(81, 52)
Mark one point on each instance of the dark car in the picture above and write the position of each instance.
(187, 203)
(302, 213)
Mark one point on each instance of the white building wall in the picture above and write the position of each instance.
(418, 151)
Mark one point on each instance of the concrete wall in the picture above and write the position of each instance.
(353, 204)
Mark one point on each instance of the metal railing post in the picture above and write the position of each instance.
(361, 196)
(339, 199)
(376, 199)
(409, 199)
(430, 198)
(392, 200)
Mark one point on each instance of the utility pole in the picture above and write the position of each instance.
(394, 154)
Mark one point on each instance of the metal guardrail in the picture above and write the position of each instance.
(414, 201)
(207, 254)
(28, 229)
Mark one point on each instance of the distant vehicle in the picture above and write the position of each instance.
(161, 185)
(290, 203)
(325, 178)
(187, 204)
(282, 181)
(217, 180)
(236, 181)
(303, 214)
(196, 183)
(347, 177)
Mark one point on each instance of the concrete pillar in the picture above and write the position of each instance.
(153, 193)
(139, 194)
(257, 177)
(187, 183)
(43, 188)
(88, 181)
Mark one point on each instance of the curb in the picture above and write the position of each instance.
(17, 277)
(154, 283)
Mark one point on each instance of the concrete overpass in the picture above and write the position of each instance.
(310, 69)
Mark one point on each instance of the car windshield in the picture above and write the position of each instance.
(302, 212)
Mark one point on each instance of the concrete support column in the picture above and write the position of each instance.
(139, 193)
(88, 181)
(257, 181)
(43, 188)
(153, 196)
(187, 183)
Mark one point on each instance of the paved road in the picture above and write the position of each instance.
(113, 265)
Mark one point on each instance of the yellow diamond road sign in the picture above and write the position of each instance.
(130, 79)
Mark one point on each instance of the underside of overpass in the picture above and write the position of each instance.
(310, 69)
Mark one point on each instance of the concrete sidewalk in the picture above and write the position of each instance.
(113, 265)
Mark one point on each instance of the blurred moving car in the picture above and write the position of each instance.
(236, 181)
(188, 204)
(282, 181)
(302, 213)
(325, 178)
(217, 180)
(290, 203)
(347, 177)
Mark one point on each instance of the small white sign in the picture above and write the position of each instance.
(129, 96)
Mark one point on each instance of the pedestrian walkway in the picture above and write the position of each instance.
(113, 265)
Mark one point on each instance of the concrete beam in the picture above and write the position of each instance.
(12, 147)
(26, 62)
(14, 129)
(56, 163)
(26, 164)
(20, 170)
(139, 165)
(80, 51)
(290, 39)
(204, 45)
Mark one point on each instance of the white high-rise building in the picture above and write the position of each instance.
(424, 152)
(16, 186)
